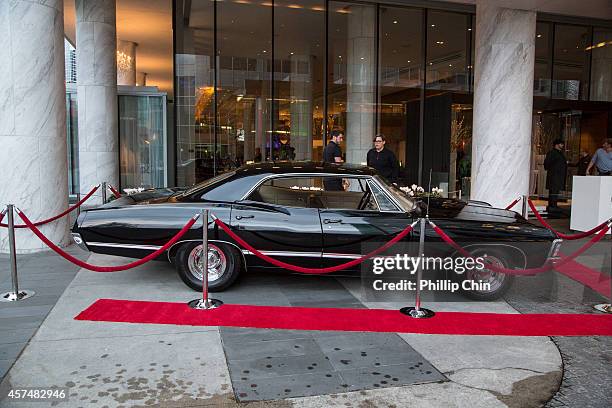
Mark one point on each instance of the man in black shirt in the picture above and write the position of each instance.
(383, 160)
(556, 171)
(333, 154)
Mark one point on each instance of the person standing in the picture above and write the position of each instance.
(602, 159)
(333, 154)
(383, 160)
(556, 167)
(583, 163)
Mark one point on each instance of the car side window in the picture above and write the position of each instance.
(384, 202)
(290, 191)
(348, 193)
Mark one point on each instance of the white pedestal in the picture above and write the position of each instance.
(591, 201)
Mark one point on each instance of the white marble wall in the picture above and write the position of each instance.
(361, 82)
(503, 100)
(96, 46)
(33, 158)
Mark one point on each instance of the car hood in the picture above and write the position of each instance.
(465, 210)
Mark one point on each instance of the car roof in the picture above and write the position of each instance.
(304, 167)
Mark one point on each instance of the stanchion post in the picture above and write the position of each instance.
(104, 189)
(605, 307)
(205, 303)
(460, 194)
(525, 207)
(16, 294)
(78, 198)
(417, 311)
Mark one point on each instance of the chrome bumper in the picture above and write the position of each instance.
(79, 241)
(553, 253)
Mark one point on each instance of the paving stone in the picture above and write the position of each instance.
(390, 375)
(373, 357)
(10, 351)
(273, 348)
(17, 335)
(279, 366)
(360, 341)
(289, 386)
(232, 335)
(25, 311)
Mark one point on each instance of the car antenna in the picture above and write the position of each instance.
(428, 195)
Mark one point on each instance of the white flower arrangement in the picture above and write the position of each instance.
(418, 191)
(130, 191)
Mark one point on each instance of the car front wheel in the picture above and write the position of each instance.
(489, 285)
(224, 265)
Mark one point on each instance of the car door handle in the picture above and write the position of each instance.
(239, 217)
(332, 221)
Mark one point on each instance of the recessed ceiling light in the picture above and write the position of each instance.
(440, 42)
(265, 51)
(291, 53)
(433, 25)
(431, 63)
(408, 61)
(539, 35)
(450, 65)
(394, 21)
(469, 29)
(362, 58)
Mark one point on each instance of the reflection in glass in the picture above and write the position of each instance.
(570, 75)
(400, 82)
(299, 55)
(352, 76)
(142, 148)
(601, 65)
(541, 79)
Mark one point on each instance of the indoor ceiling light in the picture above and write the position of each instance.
(394, 21)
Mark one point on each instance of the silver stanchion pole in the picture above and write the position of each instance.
(16, 294)
(604, 307)
(417, 311)
(104, 189)
(205, 303)
(78, 198)
(525, 210)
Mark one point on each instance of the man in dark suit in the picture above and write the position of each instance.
(556, 167)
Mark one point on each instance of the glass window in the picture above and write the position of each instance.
(355, 194)
(601, 65)
(543, 45)
(447, 51)
(447, 115)
(290, 191)
(300, 54)
(400, 82)
(352, 76)
(142, 149)
(570, 73)
(383, 201)
(73, 142)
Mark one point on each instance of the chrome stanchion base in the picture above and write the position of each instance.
(417, 314)
(604, 307)
(13, 297)
(200, 304)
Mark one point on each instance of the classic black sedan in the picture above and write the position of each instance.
(304, 213)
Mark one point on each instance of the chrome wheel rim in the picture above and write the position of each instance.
(495, 279)
(217, 262)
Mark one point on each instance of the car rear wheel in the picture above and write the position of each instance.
(498, 283)
(224, 265)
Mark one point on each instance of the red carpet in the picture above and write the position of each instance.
(592, 278)
(367, 320)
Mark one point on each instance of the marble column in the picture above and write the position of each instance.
(33, 158)
(301, 107)
(503, 100)
(126, 63)
(361, 82)
(97, 94)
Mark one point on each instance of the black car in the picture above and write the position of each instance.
(304, 213)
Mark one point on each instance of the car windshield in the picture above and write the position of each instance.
(209, 182)
(408, 204)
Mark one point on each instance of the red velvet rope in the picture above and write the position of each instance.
(296, 268)
(530, 271)
(560, 234)
(117, 268)
(115, 192)
(48, 220)
(512, 204)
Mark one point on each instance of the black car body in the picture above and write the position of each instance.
(285, 211)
